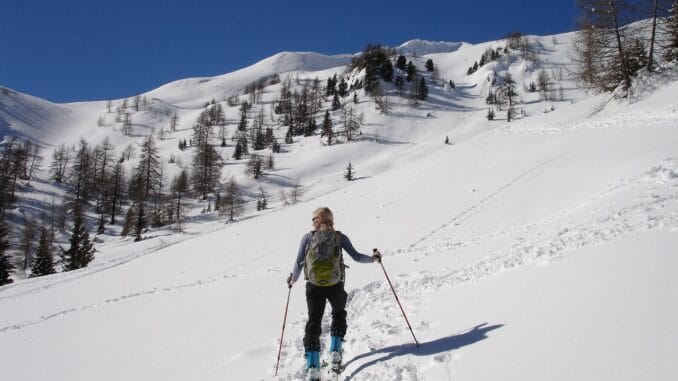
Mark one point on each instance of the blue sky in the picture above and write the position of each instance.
(77, 50)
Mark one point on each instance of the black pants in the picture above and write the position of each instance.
(315, 299)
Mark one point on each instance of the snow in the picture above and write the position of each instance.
(538, 249)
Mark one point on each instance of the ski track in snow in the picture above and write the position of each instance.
(657, 209)
(31, 287)
(646, 119)
(480, 203)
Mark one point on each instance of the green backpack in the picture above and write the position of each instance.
(324, 263)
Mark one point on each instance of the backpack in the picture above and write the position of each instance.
(324, 263)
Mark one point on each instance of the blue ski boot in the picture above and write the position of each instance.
(312, 366)
(336, 355)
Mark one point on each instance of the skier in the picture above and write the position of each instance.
(321, 257)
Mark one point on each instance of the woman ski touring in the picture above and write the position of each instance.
(320, 254)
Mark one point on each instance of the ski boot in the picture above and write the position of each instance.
(336, 355)
(313, 366)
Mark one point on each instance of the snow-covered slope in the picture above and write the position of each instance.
(538, 249)
(196, 91)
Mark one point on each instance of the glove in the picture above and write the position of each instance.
(376, 255)
(290, 282)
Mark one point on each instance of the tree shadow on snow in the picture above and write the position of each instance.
(444, 344)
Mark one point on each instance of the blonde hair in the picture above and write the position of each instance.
(326, 217)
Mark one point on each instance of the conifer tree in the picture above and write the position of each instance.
(336, 104)
(102, 225)
(350, 172)
(44, 260)
(6, 266)
(141, 222)
(411, 71)
(26, 242)
(401, 63)
(386, 71)
(174, 122)
(490, 114)
(671, 50)
(327, 130)
(342, 89)
(81, 251)
(180, 187)
(130, 220)
(255, 167)
(233, 203)
(430, 66)
(148, 169)
(508, 91)
(422, 92)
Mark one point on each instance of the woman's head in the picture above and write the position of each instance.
(323, 219)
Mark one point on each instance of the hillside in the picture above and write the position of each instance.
(541, 248)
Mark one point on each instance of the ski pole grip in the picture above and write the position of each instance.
(374, 251)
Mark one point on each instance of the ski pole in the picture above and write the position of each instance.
(397, 300)
(283, 327)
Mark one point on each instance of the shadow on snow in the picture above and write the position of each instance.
(444, 344)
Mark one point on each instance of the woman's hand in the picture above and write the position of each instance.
(376, 255)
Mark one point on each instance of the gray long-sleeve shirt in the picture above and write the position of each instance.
(345, 244)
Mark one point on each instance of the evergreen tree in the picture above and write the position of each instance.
(331, 87)
(350, 172)
(371, 79)
(6, 266)
(636, 56)
(327, 130)
(238, 152)
(44, 260)
(81, 251)
(411, 71)
(401, 63)
(429, 65)
(490, 114)
(422, 92)
(386, 71)
(342, 90)
(336, 104)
